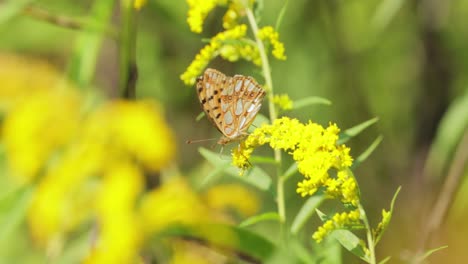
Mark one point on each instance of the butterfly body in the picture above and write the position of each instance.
(230, 103)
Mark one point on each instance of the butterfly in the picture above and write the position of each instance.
(230, 103)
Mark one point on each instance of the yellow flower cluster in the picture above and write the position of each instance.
(198, 10)
(229, 44)
(316, 152)
(338, 221)
(268, 33)
(283, 101)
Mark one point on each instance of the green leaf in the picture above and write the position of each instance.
(385, 260)
(279, 20)
(83, 62)
(290, 171)
(367, 152)
(428, 253)
(323, 217)
(12, 8)
(13, 209)
(262, 159)
(310, 101)
(306, 212)
(379, 233)
(243, 243)
(260, 218)
(258, 10)
(75, 249)
(255, 176)
(259, 121)
(216, 159)
(449, 133)
(350, 242)
(354, 131)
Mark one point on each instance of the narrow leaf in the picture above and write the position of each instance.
(306, 212)
(385, 260)
(255, 176)
(379, 233)
(260, 218)
(279, 20)
(262, 159)
(214, 158)
(429, 252)
(243, 243)
(350, 242)
(354, 131)
(13, 211)
(322, 215)
(361, 158)
(310, 101)
(83, 62)
(449, 133)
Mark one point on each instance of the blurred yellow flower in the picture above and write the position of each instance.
(138, 4)
(119, 233)
(38, 126)
(268, 33)
(174, 202)
(232, 196)
(134, 128)
(21, 77)
(283, 101)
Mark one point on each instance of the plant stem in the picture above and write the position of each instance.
(273, 115)
(370, 237)
(127, 51)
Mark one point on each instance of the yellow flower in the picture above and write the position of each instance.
(228, 44)
(119, 235)
(173, 202)
(316, 152)
(233, 196)
(198, 10)
(138, 4)
(41, 77)
(338, 221)
(134, 128)
(283, 101)
(268, 33)
(36, 128)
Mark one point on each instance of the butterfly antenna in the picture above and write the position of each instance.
(198, 140)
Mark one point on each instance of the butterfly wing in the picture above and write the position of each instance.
(230, 103)
(209, 87)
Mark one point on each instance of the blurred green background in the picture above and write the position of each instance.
(405, 62)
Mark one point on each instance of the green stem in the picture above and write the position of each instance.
(370, 237)
(127, 51)
(271, 107)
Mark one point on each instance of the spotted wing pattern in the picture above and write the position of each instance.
(230, 103)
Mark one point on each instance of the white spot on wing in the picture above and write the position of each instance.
(239, 107)
(228, 119)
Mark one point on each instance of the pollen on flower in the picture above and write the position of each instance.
(268, 33)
